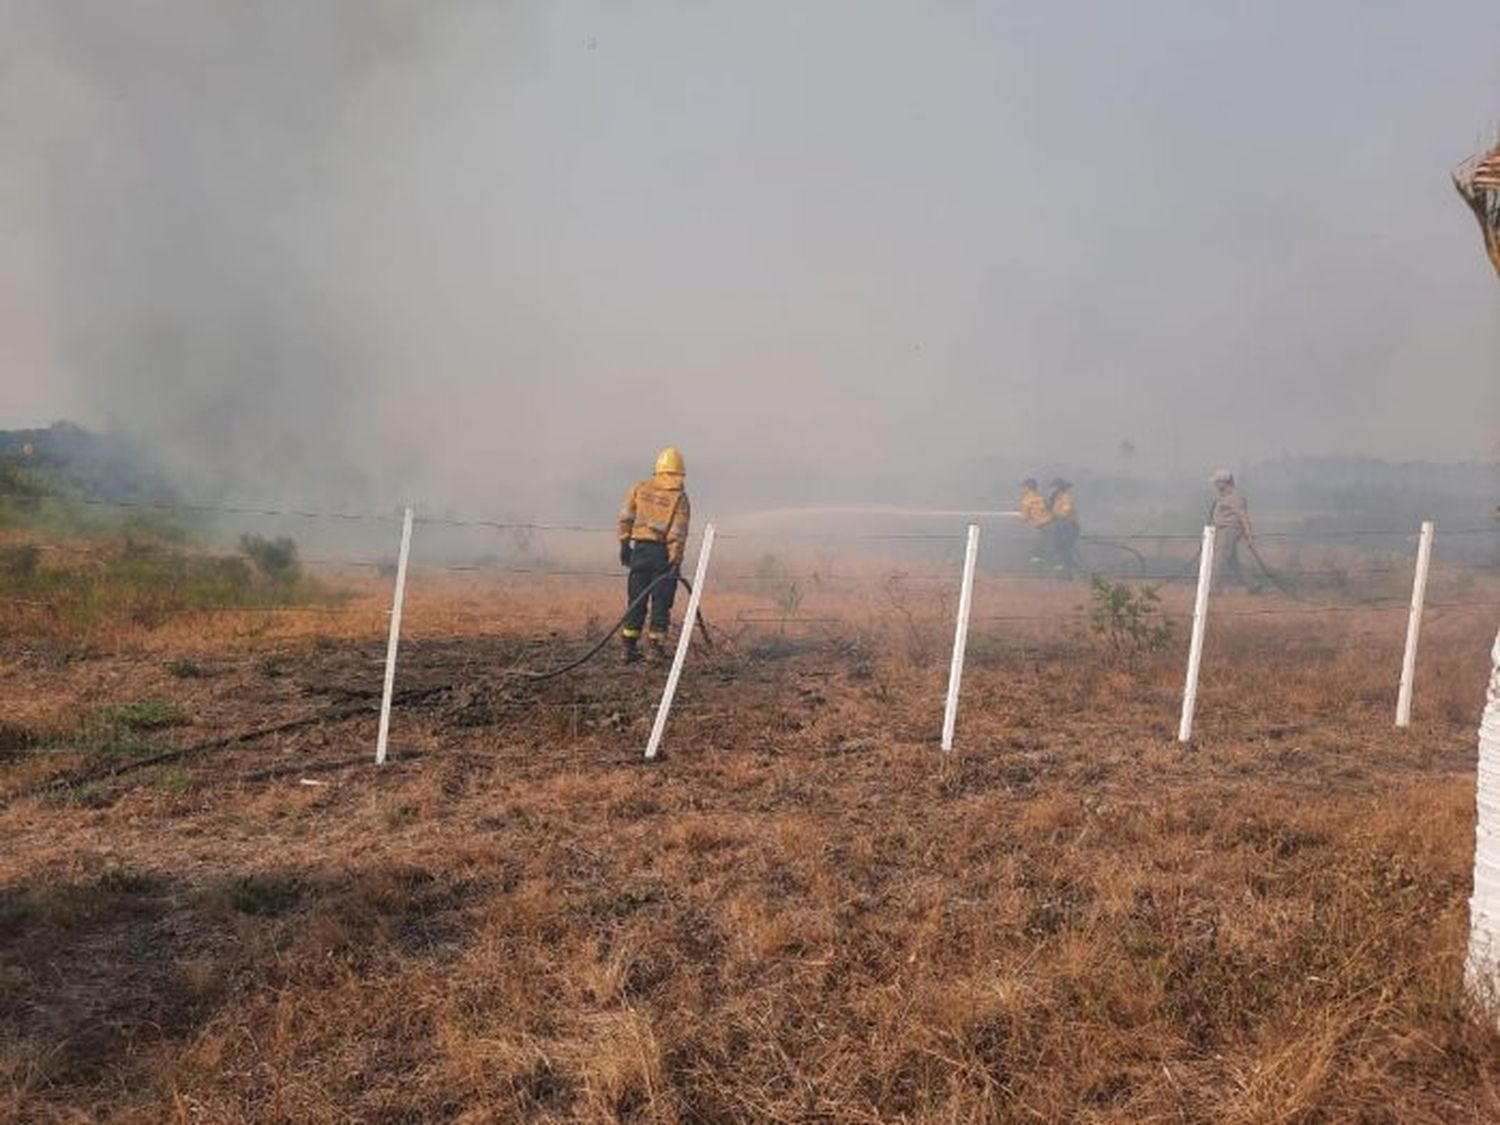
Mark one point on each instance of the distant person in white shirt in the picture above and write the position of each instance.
(1230, 517)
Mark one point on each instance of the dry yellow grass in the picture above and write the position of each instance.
(801, 914)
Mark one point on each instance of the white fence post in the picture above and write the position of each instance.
(393, 640)
(1414, 626)
(1482, 969)
(960, 637)
(1195, 647)
(679, 658)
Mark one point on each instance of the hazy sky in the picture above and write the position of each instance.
(467, 250)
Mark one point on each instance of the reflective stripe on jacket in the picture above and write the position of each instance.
(657, 511)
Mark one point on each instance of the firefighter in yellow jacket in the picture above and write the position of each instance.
(1035, 512)
(653, 535)
(1064, 526)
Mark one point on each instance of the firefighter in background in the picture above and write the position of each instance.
(1230, 517)
(1034, 511)
(653, 535)
(1064, 512)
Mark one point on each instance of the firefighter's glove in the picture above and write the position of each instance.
(624, 552)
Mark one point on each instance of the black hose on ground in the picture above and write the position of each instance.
(112, 770)
(1285, 588)
(343, 711)
(563, 670)
(1270, 575)
(1266, 571)
(1116, 545)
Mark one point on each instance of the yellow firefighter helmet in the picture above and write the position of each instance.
(669, 460)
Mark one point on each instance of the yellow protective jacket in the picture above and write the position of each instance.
(657, 511)
(1063, 508)
(1034, 508)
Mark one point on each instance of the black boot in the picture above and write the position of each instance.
(657, 651)
(630, 650)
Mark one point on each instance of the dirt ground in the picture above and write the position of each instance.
(801, 912)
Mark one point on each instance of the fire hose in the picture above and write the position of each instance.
(343, 711)
(636, 603)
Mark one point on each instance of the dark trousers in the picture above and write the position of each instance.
(648, 562)
(1042, 547)
(1065, 544)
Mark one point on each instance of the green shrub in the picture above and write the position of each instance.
(264, 895)
(276, 559)
(18, 563)
(123, 729)
(186, 669)
(784, 593)
(142, 581)
(1127, 620)
(126, 881)
(22, 491)
(145, 714)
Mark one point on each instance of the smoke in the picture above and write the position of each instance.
(494, 255)
(177, 157)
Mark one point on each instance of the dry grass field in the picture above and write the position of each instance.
(800, 913)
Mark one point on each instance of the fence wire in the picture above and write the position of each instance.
(808, 583)
(265, 509)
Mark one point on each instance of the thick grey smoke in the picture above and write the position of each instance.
(170, 163)
(493, 255)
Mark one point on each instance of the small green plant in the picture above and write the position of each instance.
(273, 664)
(15, 738)
(784, 593)
(18, 563)
(919, 646)
(84, 795)
(145, 714)
(276, 559)
(1127, 619)
(185, 669)
(176, 782)
(22, 491)
(126, 881)
(774, 647)
(264, 895)
(125, 728)
(788, 599)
